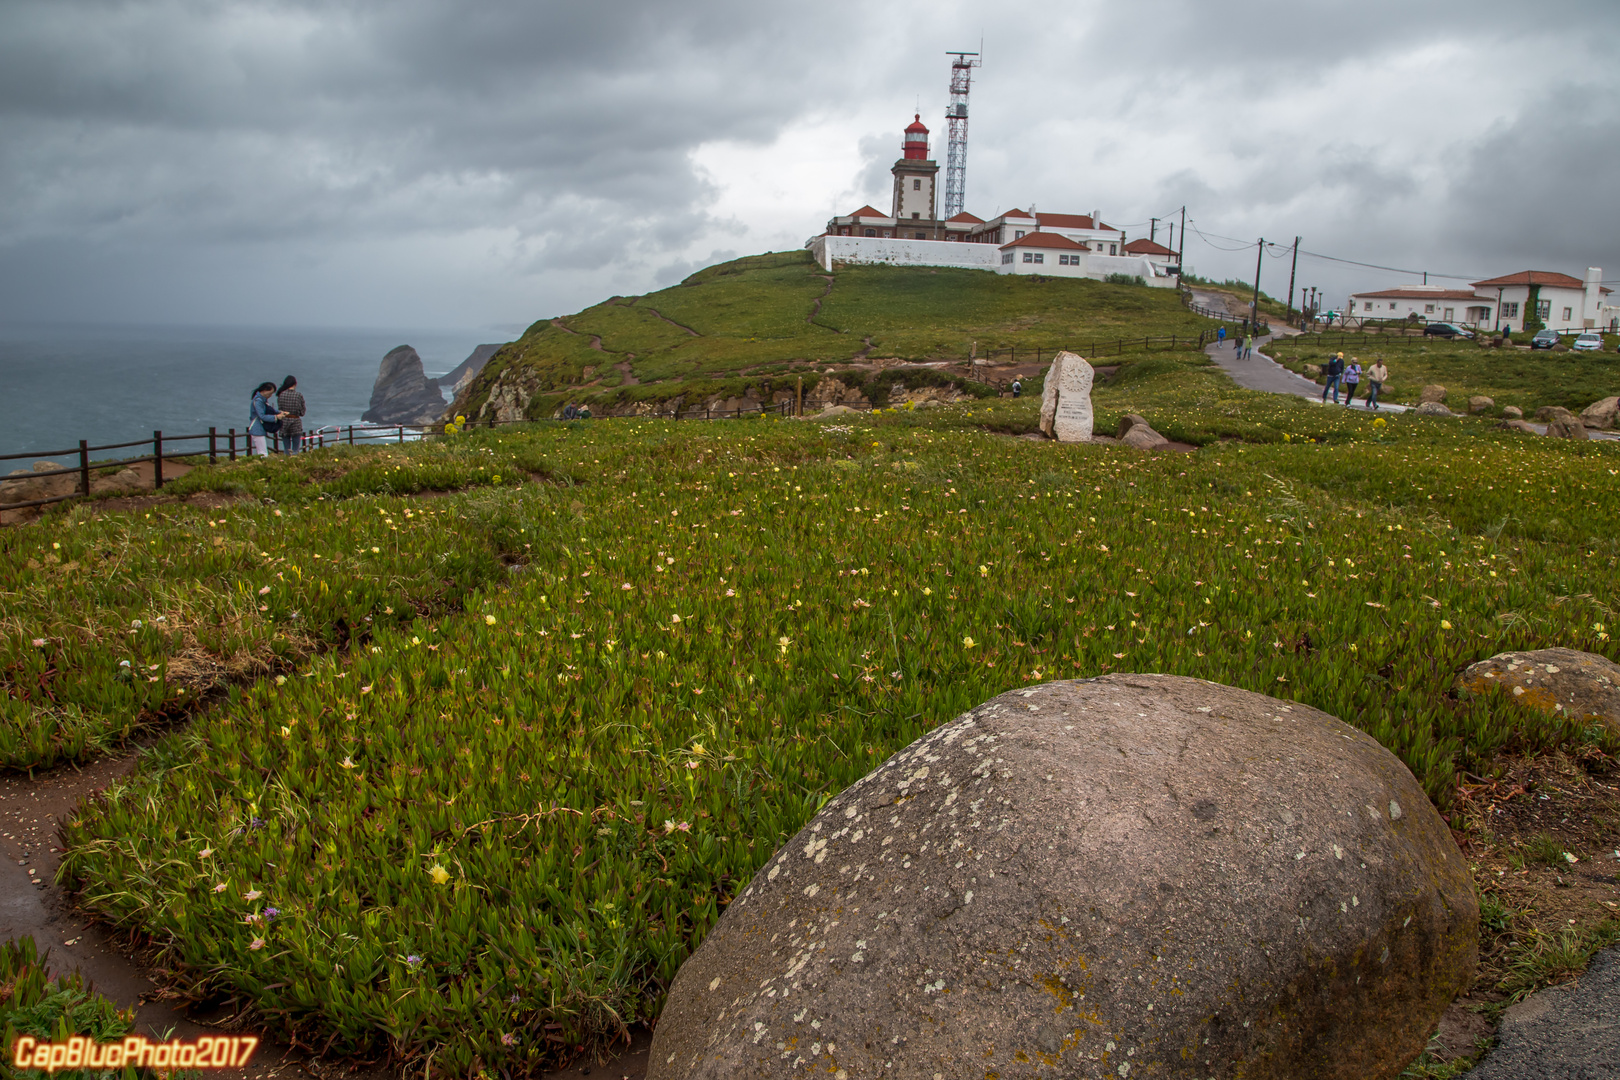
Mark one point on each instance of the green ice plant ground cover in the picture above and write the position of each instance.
(123, 620)
(491, 832)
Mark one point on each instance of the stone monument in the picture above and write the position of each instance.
(1066, 400)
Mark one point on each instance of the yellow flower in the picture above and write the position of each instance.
(984, 571)
(489, 620)
(439, 874)
(969, 643)
(1445, 625)
(460, 419)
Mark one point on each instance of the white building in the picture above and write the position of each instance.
(1016, 242)
(1559, 301)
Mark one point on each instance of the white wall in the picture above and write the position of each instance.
(828, 250)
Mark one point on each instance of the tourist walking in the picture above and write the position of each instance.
(1334, 369)
(1352, 379)
(263, 420)
(291, 404)
(1220, 337)
(1248, 346)
(1017, 388)
(1375, 381)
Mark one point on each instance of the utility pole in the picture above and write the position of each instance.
(1254, 305)
(1153, 229)
(1180, 254)
(1292, 267)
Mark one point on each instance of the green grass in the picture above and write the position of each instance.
(757, 316)
(492, 830)
(1518, 377)
(32, 1002)
(1541, 959)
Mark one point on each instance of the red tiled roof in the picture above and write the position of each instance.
(1144, 247)
(1417, 294)
(1069, 221)
(1046, 240)
(1012, 214)
(967, 217)
(1536, 277)
(867, 211)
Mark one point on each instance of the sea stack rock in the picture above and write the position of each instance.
(403, 394)
(1135, 875)
(463, 373)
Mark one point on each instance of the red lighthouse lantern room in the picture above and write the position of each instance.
(916, 144)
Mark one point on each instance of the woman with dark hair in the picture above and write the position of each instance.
(263, 420)
(291, 404)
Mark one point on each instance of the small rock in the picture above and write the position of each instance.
(1480, 403)
(1601, 414)
(1147, 870)
(1512, 412)
(1128, 421)
(1519, 426)
(1433, 408)
(1566, 426)
(1580, 685)
(1548, 412)
(1144, 437)
(1431, 393)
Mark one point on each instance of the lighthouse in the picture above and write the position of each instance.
(914, 176)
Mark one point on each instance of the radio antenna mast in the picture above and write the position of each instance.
(956, 122)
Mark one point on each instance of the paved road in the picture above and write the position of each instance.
(1261, 372)
(1568, 1032)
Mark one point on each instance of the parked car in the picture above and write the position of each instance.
(1587, 343)
(1447, 330)
(1544, 339)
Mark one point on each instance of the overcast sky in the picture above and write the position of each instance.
(484, 163)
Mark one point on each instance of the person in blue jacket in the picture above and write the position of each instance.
(264, 419)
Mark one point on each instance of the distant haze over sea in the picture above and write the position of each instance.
(110, 384)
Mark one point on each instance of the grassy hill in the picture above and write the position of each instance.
(471, 740)
(736, 325)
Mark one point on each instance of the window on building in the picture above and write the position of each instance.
(1428, 309)
(1392, 305)
(1068, 260)
(1029, 256)
(1450, 314)
(919, 236)
(1113, 249)
(871, 232)
(1543, 310)
(915, 214)
(1018, 235)
(916, 185)
(1510, 311)
(1569, 313)
(1006, 257)
(1040, 257)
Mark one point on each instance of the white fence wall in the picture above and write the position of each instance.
(828, 250)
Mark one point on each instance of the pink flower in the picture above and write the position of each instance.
(258, 943)
(220, 887)
(264, 591)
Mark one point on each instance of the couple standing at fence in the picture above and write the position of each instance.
(284, 418)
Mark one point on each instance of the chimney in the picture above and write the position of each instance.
(1591, 307)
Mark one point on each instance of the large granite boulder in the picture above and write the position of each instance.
(403, 394)
(1601, 414)
(1512, 412)
(1135, 875)
(1431, 393)
(1433, 408)
(1581, 685)
(1480, 403)
(1066, 412)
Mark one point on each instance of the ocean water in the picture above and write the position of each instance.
(111, 384)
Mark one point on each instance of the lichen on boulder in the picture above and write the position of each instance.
(1135, 875)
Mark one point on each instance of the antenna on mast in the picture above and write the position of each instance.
(956, 123)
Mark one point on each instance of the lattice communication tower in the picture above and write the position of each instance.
(956, 122)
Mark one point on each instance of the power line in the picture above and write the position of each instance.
(1329, 258)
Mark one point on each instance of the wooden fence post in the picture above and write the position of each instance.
(233, 444)
(351, 434)
(157, 460)
(84, 467)
(213, 447)
(402, 433)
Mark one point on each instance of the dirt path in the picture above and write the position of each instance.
(676, 325)
(815, 307)
(68, 484)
